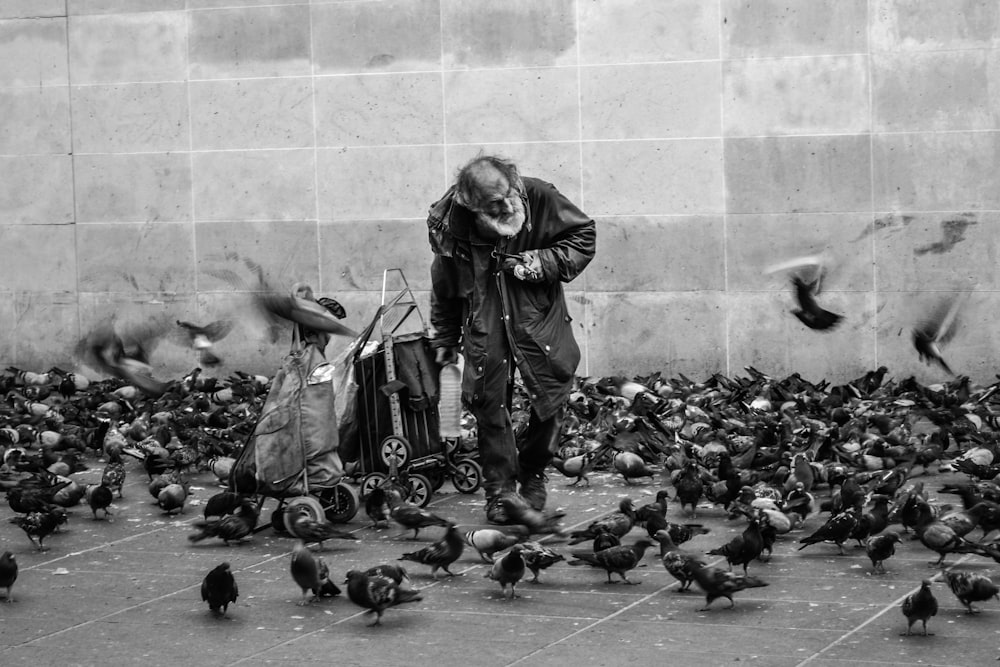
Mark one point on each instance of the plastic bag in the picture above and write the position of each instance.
(346, 403)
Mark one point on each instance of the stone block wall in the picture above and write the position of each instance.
(149, 147)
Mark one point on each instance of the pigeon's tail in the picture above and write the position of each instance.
(753, 582)
(203, 533)
(583, 559)
(328, 589)
(403, 595)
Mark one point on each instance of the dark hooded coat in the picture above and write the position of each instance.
(470, 292)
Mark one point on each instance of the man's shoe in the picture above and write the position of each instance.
(500, 507)
(533, 489)
(495, 511)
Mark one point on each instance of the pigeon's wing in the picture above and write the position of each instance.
(101, 347)
(814, 261)
(258, 317)
(333, 306)
(941, 322)
(141, 338)
(804, 295)
(381, 591)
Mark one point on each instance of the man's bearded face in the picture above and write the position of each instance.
(504, 218)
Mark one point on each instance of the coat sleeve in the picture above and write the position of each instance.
(570, 235)
(446, 305)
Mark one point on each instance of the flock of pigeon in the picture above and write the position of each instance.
(779, 454)
(756, 446)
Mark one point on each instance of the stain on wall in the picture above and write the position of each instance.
(952, 233)
(891, 222)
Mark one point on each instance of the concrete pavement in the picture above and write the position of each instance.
(128, 592)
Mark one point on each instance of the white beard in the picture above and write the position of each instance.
(504, 226)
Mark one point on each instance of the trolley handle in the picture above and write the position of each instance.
(366, 335)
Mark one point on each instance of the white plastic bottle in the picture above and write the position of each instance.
(450, 401)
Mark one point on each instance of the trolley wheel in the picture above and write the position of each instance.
(436, 477)
(467, 476)
(340, 503)
(394, 448)
(293, 506)
(420, 490)
(372, 481)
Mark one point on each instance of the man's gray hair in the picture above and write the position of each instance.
(468, 184)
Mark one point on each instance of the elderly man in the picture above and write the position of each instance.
(503, 245)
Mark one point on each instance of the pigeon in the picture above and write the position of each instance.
(937, 328)
(40, 525)
(605, 539)
(8, 573)
(744, 548)
(508, 570)
(203, 338)
(809, 312)
(376, 593)
(942, 538)
(327, 589)
(802, 475)
(311, 574)
(631, 466)
(395, 572)
(519, 512)
(678, 563)
(171, 498)
(218, 589)
(538, 558)
(688, 488)
(878, 515)
(310, 530)
(333, 306)
(222, 503)
(23, 499)
(488, 541)
(617, 523)
(234, 527)
(780, 523)
(125, 355)
(100, 498)
(413, 517)
(299, 306)
(578, 466)
(377, 507)
(880, 548)
(718, 583)
(968, 588)
(919, 606)
(680, 532)
(113, 475)
(657, 508)
(837, 529)
(221, 467)
(617, 560)
(440, 554)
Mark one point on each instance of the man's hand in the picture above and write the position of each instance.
(446, 355)
(528, 267)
